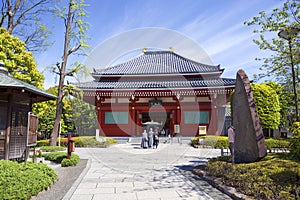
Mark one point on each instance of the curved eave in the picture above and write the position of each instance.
(97, 76)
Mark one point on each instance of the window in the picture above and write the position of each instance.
(116, 118)
(194, 117)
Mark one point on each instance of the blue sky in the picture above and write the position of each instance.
(217, 26)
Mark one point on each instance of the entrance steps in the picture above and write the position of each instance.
(137, 140)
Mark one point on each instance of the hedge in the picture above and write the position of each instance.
(211, 141)
(61, 157)
(222, 141)
(23, 180)
(83, 141)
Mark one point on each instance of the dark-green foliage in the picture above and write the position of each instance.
(295, 141)
(271, 178)
(23, 180)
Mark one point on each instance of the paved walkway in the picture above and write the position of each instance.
(125, 171)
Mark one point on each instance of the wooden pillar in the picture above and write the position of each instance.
(8, 128)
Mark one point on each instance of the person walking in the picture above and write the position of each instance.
(155, 139)
(150, 137)
(144, 143)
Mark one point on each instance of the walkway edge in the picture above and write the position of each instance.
(77, 182)
(216, 182)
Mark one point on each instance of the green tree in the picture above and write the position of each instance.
(23, 18)
(267, 105)
(285, 98)
(74, 41)
(84, 117)
(268, 25)
(295, 141)
(46, 114)
(284, 52)
(19, 62)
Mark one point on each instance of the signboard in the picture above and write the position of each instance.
(202, 130)
(32, 129)
(155, 103)
(176, 128)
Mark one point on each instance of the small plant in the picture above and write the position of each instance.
(38, 153)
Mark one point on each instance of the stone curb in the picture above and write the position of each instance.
(77, 182)
(216, 182)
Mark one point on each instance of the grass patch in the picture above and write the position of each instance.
(23, 180)
(274, 177)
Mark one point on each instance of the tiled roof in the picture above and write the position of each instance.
(9, 82)
(155, 84)
(158, 62)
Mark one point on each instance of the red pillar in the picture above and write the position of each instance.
(213, 125)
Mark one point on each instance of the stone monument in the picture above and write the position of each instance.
(249, 144)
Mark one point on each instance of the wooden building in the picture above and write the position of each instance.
(180, 95)
(16, 99)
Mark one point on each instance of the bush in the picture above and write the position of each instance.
(51, 148)
(70, 162)
(61, 157)
(83, 141)
(273, 143)
(23, 180)
(295, 141)
(271, 178)
(40, 143)
(211, 141)
(56, 157)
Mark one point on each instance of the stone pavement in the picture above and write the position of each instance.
(125, 171)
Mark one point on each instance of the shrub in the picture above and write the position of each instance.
(83, 141)
(23, 180)
(211, 141)
(40, 143)
(56, 157)
(61, 157)
(70, 162)
(51, 148)
(272, 143)
(271, 178)
(295, 141)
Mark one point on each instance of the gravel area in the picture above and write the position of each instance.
(66, 177)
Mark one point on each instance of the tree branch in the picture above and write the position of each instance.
(74, 49)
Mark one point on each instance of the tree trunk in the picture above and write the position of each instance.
(62, 71)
